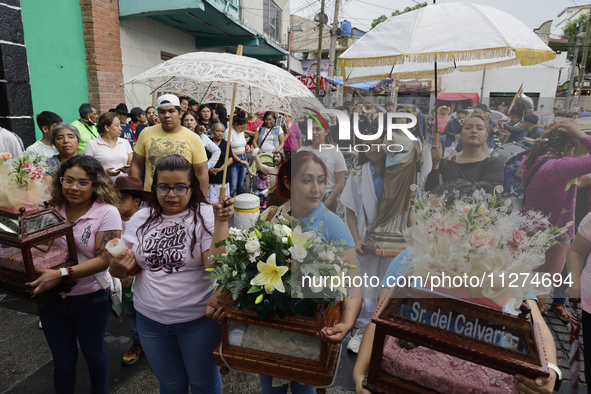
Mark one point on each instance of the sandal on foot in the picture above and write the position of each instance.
(543, 310)
(561, 311)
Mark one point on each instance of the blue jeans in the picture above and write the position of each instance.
(296, 388)
(130, 313)
(72, 320)
(237, 175)
(181, 355)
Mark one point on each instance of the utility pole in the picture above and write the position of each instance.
(333, 40)
(584, 62)
(572, 72)
(319, 64)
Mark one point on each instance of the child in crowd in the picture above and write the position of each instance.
(262, 184)
(216, 173)
(44, 148)
(133, 193)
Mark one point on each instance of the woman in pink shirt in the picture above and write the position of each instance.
(553, 190)
(84, 195)
(171, 241)
(442, 119)
(293, 141)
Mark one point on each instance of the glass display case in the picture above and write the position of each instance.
(26, 243)
(285, 348)
(447, 344)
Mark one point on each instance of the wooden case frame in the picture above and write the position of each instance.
(532, 364)
(13, 282)
(317, 373)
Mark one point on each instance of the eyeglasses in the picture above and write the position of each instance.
(163, 190)
(68, 183)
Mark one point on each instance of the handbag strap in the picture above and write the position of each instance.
(266, 135)
(103, 282)
(531, 176)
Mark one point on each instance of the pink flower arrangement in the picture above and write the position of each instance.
(482, 239)
(5, 155)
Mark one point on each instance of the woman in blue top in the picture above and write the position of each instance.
(304, 189)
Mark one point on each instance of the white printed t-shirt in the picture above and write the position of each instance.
(171, 288)
(334, 161)
(39, 149)
(100, 217)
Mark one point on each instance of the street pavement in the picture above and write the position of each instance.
(26, 366)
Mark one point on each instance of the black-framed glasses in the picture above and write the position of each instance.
(179, 190)
(68, 183)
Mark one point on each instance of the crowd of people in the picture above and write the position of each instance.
(156, 183)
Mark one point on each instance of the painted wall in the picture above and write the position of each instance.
(142, 42)
(57, 61)
(252, 15)
(541, 78)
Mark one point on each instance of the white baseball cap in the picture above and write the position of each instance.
(167, 100)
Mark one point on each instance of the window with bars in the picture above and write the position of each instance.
(272, 20)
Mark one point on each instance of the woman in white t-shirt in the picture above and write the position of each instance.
(323, 147)
(113, 152)
(171, 241)
(237, 170)
(269, 137)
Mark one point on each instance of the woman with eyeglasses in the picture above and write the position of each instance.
(85, 195)
(171, 241)
(66, 140)
(269, 138)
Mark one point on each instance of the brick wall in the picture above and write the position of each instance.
(100, 19)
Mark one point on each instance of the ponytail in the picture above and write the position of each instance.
(553, 141)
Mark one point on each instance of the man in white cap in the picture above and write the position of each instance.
(168, 138)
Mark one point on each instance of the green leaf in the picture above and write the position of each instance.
(254, 289)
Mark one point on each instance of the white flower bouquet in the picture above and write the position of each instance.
(280, 268)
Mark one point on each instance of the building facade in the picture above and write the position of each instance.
(58, 54)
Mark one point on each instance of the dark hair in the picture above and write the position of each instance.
(531, 118)
(552, 141)
(298, 160)
(517, 110)
(347, 103)
(151, 106)
(193, 114)
(388, 103)
(564, 114)
(183, 98)
(269, 113)
(457, 189)
(176, 163)
(85, 109)
(47, 118)
(463, 111)
(135, 113)
(362, 156)
(192, 102)
(106, 120)
(483, 107)
(103, 188)
(201, 108)
(239, 121)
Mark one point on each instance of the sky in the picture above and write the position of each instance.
(362, 12)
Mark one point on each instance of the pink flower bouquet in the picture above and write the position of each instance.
(21, 182)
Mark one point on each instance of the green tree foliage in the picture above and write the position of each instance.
(383, 18)
(570, 34)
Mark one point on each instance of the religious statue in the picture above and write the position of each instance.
(398, 194)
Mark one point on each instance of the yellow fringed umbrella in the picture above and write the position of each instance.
(468, 37)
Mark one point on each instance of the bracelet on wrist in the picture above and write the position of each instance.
(70, 273)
